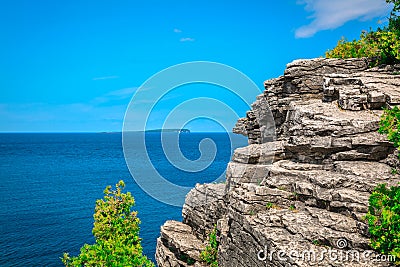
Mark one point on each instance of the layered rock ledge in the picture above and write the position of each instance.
(306, 190)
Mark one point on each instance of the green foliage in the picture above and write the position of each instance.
(394, 25)
(383, 218)
(381, 46)
(210, 254)
(383, 215)
(387, 45)
(116, 229)
(269, 205)
(389, 124)
(396, 6)
(353, 49)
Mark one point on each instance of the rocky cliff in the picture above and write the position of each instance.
(293, 198)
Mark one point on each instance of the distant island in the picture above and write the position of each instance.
(168, 131)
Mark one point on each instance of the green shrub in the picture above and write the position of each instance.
(210, 254)
(387, 45)
(116, 229)
(396, 8)
(394, 25)
(353, 49)
(383, 215)
(381, 46)
(389, 124)
(383, 218)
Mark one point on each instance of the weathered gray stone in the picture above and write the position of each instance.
(352, 99)
(203, 207)
(376, 99)
(177, 246)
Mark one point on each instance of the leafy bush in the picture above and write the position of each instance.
(396, 8)
(353, 49)
(387, 45)
(383, 215)
(116, 229)
(210, 254)
(384, 220)
(382, 46)
(390, 125)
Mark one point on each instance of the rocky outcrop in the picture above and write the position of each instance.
(204, 206)
(297, 196)
(177, 246)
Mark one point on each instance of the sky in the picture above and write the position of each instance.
(74, 66)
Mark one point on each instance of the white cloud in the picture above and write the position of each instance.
(187, 39)
(331, 14)
(184, 39)
(125, 92)
(105, 78)
(115, 95)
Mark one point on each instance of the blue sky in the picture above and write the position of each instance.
(73, 66)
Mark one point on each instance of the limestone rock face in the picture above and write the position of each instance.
(299, 198)
(204, 206)
(177, 246)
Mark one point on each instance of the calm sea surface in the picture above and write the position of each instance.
(50, 182)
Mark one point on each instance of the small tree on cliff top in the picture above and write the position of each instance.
(396, 7)
(116, 229)
(394, 20)
(381, 46)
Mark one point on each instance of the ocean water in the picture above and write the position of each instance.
(50, 182)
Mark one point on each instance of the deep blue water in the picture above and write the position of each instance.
(49, 184)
